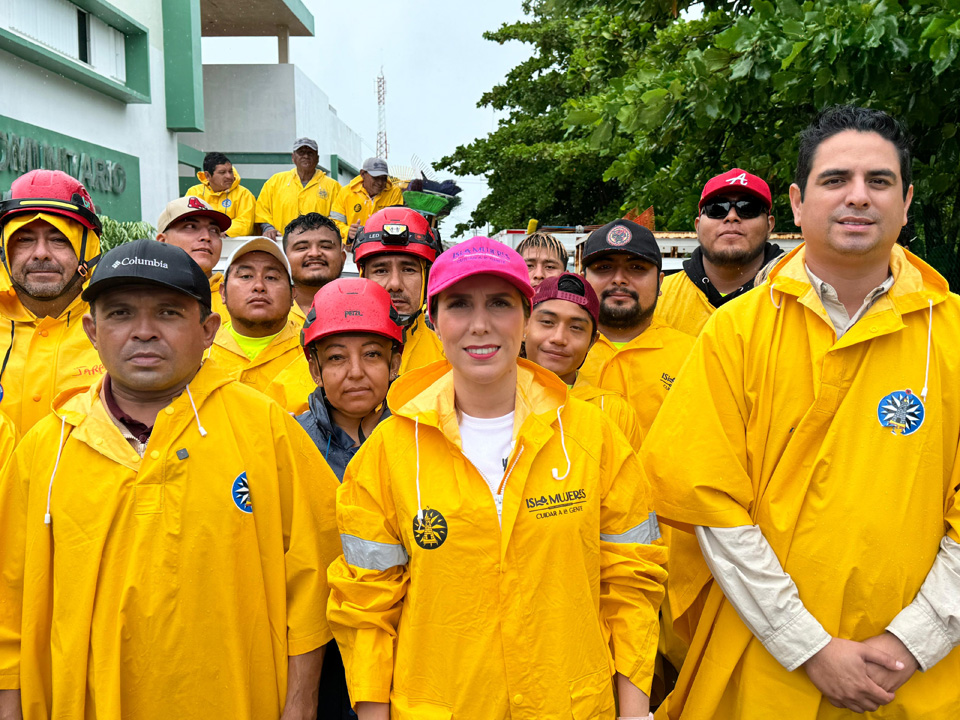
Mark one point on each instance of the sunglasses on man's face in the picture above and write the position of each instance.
(747, 208)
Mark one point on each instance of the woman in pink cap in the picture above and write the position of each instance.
(500, 558)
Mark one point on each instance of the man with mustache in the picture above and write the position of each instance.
(733, 229)
(313, 246)
(192, 225)
(634, 355)
(166, 532)
(260, 339)
(49, 240)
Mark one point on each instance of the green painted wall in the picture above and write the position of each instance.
(113, 178)
(183, 70)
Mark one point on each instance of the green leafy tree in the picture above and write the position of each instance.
(117, 233)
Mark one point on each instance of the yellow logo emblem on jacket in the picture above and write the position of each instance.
(431, 531)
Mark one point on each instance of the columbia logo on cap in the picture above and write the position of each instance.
(141, 261)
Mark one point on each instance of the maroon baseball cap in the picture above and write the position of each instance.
(736, 180)
(571, 288)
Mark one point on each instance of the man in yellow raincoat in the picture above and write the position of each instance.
(220, 188)
(192, 225)
(818, 465)
(258, 338)
(165, 533)
(370, 191)
(50, 240)
(634, 355)
(302, 189)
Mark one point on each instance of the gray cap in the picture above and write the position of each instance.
(375, 166)
(306, 142)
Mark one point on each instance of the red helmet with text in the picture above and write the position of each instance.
(350, 305)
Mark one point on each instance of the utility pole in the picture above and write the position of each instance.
(382, 147)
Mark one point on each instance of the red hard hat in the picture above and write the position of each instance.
(396, 230)
(54, 192)
(350, 305)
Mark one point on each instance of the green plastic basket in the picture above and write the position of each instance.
(425, 202)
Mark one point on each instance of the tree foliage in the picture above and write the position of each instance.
(663, 102)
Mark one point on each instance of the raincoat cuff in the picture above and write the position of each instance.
(266, 226)
(368, 693)
(921, 632)
(797, 641)
(308, 643)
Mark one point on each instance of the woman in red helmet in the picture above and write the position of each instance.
(500, 559)
(395, 248)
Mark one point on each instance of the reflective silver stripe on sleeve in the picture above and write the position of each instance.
(340, 217)
(644, 533)
(371, 555)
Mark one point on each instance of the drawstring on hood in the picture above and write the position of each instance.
(63, 425)
(203, 433)
(563, 444)
(772, 300)
(926, 374)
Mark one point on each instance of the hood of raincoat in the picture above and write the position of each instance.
(205, 179)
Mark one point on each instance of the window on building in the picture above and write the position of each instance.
(83, 36)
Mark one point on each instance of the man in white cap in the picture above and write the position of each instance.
(192, 225)
(302, 189)
(368, 192)
(258, 340)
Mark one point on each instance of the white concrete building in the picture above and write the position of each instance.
(114, 92)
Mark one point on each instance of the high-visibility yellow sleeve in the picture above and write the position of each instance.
(14, 489)
(264, 213)
(245, 215)
(369, 581)
(308, 505)
(696, 451)
(338, 212)
(632, 560)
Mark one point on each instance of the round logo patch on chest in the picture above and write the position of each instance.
(358, 207)
(902, 412)
(619, 236)
(227, 202)
(431, 532)
(241, 493)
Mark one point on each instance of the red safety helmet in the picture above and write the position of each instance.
(396, 230)
(350, 305)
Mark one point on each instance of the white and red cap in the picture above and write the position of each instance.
(736, 180)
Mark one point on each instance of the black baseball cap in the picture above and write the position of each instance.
(149, 262)
(622, 236)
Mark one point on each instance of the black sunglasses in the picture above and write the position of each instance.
(747, 208)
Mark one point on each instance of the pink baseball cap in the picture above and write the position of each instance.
(478, 256)
(736, 180)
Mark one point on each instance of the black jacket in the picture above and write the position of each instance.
(693, 267)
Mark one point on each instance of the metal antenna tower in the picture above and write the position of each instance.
(382, 147)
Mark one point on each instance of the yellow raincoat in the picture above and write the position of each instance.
(613, 405)
(49, 354)
(421, 346)
(236, 202)
(297, 316)
(682, 306)
(217, 304)
(284, 198)
(8, 439)
(264, 368)
(473, 620)
(293, 386)
(642, 371)
(158, 591)
(353, 203)
(775, 422)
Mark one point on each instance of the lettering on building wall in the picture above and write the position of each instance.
(20, 155)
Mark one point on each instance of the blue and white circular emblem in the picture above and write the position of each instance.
(227, 202)
(902, 412)
(241, 493)
(1, 393)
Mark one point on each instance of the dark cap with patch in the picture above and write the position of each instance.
(148, 262)
(622, 236)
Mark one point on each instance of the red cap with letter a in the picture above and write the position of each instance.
(735, 180)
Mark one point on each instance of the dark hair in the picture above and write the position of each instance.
(212, 159)
(310, 221)
(836, 119)
(546, 241)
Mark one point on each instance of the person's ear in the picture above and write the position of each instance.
(314, 363)
(395, 360)
(210, 327)
(796, 203)
(90, 329)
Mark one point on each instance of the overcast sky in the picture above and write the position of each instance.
(434, 58)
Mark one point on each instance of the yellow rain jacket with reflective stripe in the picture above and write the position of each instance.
(236, 202)
(471, 619)
(613, 405)
(421, 346)
(682, 306)
(264, 368)
(172, 586)
(775, 422)
(217, 305)
(354, 204)
(284, 198)
(642, 370)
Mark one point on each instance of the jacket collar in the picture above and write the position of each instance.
(277, 346)
(204, 178)
(320, 413)
(694, 269)
(649, 339)
(13, 309)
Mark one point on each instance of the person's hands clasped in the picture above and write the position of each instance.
(841, 671)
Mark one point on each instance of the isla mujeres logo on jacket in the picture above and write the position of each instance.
(430, 532)
(241, 493)
(902, 412)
